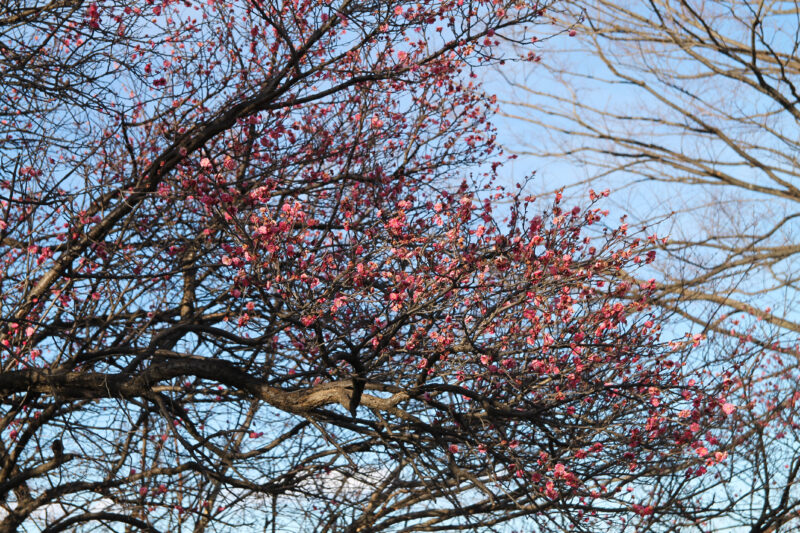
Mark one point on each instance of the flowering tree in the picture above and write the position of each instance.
(245, 284)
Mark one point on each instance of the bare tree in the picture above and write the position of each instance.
(691, 108)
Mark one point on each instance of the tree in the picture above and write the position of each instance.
(246, 284)
(691, 106)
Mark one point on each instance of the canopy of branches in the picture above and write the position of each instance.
(258, 273)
